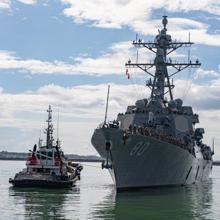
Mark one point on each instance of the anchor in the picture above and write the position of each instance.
(106, 164)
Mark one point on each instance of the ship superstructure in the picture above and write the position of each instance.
(156, 142)
(47, 165)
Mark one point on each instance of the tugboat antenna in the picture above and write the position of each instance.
(106, 109)
(49, 130)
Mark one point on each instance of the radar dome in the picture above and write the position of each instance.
(172, 104)
(140, 103)
(179, 103)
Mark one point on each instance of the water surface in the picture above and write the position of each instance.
(94, 197)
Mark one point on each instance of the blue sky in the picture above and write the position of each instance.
(65, 52)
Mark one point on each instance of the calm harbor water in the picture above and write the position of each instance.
(94, 197)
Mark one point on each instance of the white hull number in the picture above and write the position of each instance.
(139, 148)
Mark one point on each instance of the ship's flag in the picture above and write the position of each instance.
(126, 72)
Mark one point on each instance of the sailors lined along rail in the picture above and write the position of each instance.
(149, 130)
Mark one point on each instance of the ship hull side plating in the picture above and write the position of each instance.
(143, 161)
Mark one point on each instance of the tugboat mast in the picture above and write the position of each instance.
(162, 47)
(49, 129)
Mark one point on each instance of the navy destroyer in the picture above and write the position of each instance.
(47, 165)
(156, 141)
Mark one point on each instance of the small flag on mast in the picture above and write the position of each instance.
(127, 73)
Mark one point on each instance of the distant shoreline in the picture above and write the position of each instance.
(5, 155)
(77, 160)
(14, 156)
(215, 163)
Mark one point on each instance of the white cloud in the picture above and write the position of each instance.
(137, 15)
(111, 62)
(193, 94)
(210, 6)
(82, 109)
(6, 4)
(29, 2)
(201, 73)
(80, 101)
(117, 13)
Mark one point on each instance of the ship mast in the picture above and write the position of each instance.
(162, 47)
(49, 129)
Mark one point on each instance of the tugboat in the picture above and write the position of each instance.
(156, 141)
(47, 166)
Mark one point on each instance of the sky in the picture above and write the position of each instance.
(65, 53)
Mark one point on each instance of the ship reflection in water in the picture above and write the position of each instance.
(44, 203)
(192, 202)
(173, 203)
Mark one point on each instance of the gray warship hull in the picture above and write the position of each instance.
(144, 161)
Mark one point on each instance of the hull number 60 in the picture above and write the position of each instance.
(139, 148)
